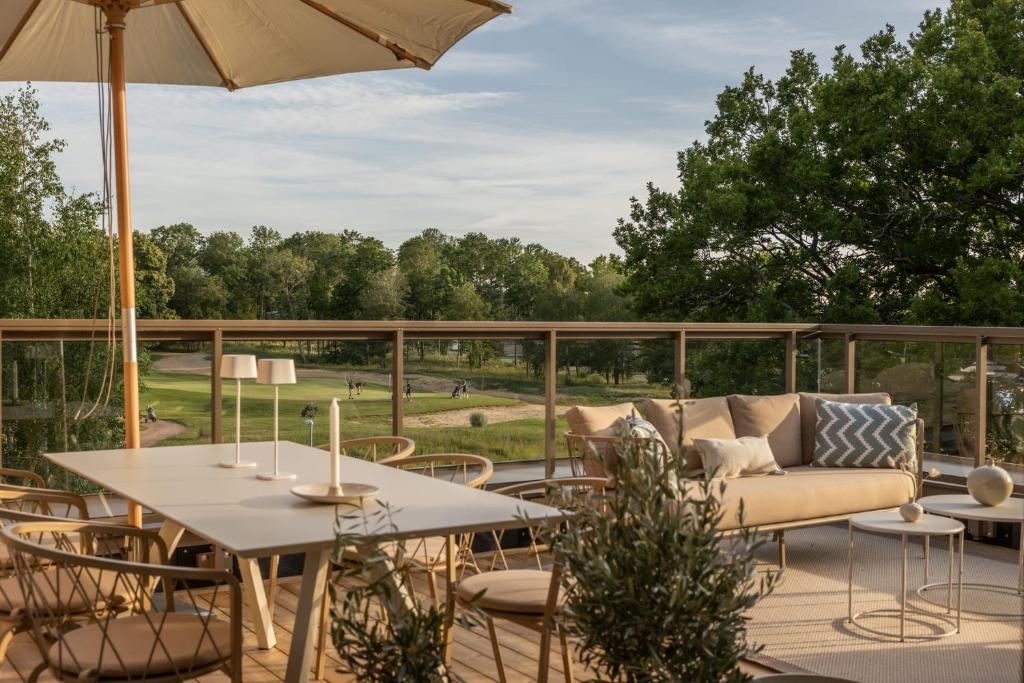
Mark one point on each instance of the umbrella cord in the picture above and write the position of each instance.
(105, 389)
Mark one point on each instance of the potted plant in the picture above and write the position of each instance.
(379, 636)
(654, 591)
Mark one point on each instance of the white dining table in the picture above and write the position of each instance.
(252, 518)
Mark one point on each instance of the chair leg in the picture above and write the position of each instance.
(781, 536)
(432, 581)
(496, 649)
(566, 655)
(321, 640)
(275, 562)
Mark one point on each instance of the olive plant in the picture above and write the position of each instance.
(382, 635)
(654, 590)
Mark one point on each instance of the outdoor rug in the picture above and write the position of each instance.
(803, 624)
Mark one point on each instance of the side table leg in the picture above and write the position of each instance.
(949, 582)
(903, 584)
(927, 543)
(960, 582)
(849, 581)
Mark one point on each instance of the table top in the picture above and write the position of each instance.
(963, 506)
(890, 522)
(254, 518)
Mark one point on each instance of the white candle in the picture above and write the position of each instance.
(335, 438)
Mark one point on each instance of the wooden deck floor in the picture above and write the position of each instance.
(472, 659)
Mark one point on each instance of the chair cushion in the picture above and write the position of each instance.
(777, 417)
(809, 414)
(865, 435)
(806, 493)
(520, 591)
(129, 646)
(704, 418)
(76, 590)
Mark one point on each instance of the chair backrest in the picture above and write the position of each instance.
(49, 502)
(136, 620)
(376, 448)
(10, 475)
(469, 470)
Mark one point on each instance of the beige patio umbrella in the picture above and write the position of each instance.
(227, 43)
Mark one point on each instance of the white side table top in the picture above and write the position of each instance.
(890, 522)
(964, 506)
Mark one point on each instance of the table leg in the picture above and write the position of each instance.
(311, 593)
(849, 567)
(449, 613)
(903, 584)
(1020, 561)
(960, 581)
(170, 533)
(256, 602)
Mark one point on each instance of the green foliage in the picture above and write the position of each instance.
(884, 190)
(654, 591)
(378, 637)
(477, 420)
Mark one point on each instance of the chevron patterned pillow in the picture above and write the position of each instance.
(865, 435)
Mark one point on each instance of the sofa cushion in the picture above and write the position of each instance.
(777, 417)
(809, 414)
(807, 493)
(865, 435)
(597, 420)
(704, 418)
(731, 458)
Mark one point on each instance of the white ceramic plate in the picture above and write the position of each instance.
(348, 492)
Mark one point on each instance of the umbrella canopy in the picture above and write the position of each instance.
(234, 43)
(227, 43)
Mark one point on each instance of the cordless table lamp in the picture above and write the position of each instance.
(275, 372)
(238, 367)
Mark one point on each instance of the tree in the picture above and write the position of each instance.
(156, 292)
(853, 195)
(384, 298)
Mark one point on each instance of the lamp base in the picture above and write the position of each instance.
(231, 464)
(270, 476)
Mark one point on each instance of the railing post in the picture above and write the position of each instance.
(216, 387)
(850, 363)
(679, 364)
(981, 400)
(550, 400)
(791, 359)
(397, 370)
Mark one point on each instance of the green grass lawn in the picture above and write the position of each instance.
(185, 399)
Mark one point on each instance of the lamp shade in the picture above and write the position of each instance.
(275, 371)
(238, 366)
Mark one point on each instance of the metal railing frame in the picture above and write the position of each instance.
(218, 332)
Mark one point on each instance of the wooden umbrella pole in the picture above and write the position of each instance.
(115, 13)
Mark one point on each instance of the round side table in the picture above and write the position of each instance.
(890, 523)
(964, 506)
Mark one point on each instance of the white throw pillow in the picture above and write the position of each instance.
(730, 458)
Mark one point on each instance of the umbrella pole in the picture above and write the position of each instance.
(115, 13)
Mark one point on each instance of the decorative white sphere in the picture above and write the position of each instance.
(989, 485)
(911, 512)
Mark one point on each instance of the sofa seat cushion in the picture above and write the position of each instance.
(777, 417)
(809, 414)
(704, 418)
(807, 493)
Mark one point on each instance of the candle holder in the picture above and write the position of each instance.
(275, 372)
(238, 367)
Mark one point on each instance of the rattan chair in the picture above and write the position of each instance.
(428, 554)
(531, 597)
(381, 449)
(132, 619)
(10, 476)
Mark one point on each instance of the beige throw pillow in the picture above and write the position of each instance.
(778, 417)
(731, 458)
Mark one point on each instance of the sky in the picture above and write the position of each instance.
(540, 125)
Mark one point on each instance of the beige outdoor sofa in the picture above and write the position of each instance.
(805, 496)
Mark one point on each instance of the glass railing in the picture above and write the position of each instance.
(497, 389)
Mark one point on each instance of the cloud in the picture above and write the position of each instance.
(479, 62)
